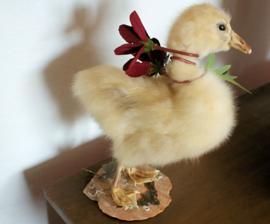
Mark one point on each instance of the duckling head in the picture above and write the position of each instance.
(205, 29)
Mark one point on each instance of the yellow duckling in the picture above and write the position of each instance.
(162, 120)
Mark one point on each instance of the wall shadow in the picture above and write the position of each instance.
(251, 20)
(58, 74)
(86, 23)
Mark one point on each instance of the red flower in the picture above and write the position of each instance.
(141, 47)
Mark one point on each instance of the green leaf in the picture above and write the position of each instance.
(210, 63)
(231, 80)
(223, 70)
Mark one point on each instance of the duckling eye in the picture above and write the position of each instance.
(222, 27)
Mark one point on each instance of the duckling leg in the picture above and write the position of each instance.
(139, 177)
(126, 199)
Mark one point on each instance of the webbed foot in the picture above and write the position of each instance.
(139, 177)
(126, 199)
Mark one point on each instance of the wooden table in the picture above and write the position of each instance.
(229, 185)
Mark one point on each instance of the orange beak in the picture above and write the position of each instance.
(239, 44)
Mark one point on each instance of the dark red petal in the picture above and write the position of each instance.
(154, 55)
(155, 40)
(133, 60)
(138, 26)
(144, 57)
(137, 56)
(136, 69)
(127, 64)
(127, 49)
(139, 69)
(150, 55)
(128, 34)
(157, 56)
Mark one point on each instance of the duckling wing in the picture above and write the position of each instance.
(117, 101)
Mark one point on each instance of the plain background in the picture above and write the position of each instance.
(43, 44)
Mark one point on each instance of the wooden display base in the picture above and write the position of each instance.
(99, 189)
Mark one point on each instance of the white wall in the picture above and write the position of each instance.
(42, 44)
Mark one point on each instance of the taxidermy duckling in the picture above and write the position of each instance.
(164, 119)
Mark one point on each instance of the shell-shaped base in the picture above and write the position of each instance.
(99, 189)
